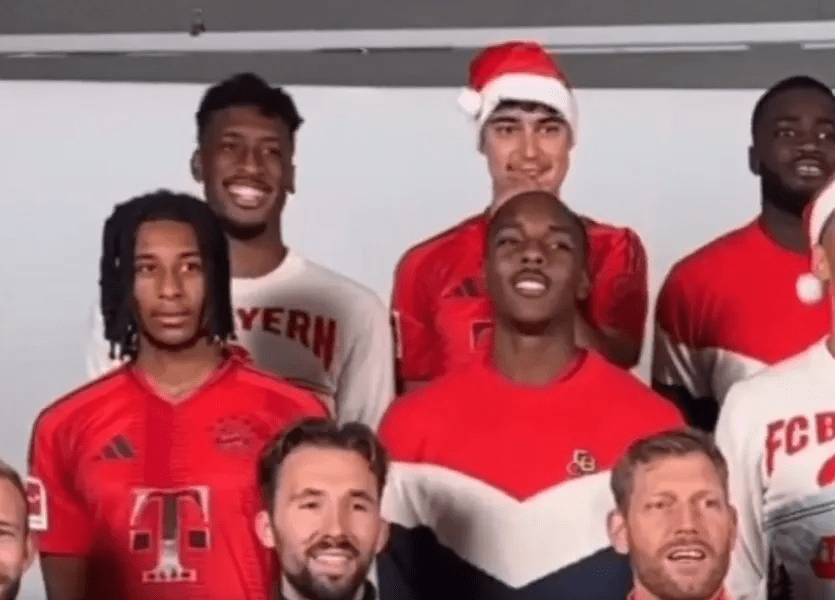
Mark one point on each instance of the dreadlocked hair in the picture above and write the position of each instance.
(121, 328)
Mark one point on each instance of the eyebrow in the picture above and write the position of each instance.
(314, 493)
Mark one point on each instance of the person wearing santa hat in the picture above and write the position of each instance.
(730, 308)
(526, 117)
(777, 432)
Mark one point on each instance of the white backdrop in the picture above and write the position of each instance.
(378, 170)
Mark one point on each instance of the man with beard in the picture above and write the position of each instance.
(505, 463)
(141, 481)
(777, 430)
(16, 549)
(673, 518)
(296, 318)
(321, 486)
(730, 308)
(526, 120)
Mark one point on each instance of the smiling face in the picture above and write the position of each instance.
(535, 264)
(678, 528)
(245, 162)
(326, 524)
(526, 144)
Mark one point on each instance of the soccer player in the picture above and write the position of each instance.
(506, 461)
(777, 430)
(673, 517)
(296, 318)
(321, 486)
(16, 551)
(144, 478)
(526, 118)
(730, 309)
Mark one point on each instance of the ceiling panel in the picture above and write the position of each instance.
(107, 16)
(757, 68)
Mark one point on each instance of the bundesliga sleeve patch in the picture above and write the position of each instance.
(36, 502)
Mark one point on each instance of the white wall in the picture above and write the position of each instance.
(378, 170)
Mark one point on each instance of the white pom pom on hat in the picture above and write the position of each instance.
(810, 289)
(470, 101)
(522, 71)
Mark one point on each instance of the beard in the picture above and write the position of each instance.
(778, 194)
(314, 587)
(242, 231)
(651, 572)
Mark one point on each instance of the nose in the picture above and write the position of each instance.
(530, 144)
(688, 519)
(169, 284)
(336, 521)
(251, 161)
(533, 253)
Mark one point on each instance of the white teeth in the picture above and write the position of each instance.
(807, 170)
(687, 555)
(530, 286)
(246, 195)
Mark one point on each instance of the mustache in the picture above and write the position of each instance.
(333, 543)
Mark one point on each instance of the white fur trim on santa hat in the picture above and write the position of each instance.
(809, 289)
(524, 87)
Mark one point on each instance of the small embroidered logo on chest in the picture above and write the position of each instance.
(582, 463)
(234, 435)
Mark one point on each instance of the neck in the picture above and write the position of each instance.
(642, 593)
(533, 359)
(257, 256)
(178, 372)
(784, 227)
(288, 592)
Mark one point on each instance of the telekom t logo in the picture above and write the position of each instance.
(168, 534)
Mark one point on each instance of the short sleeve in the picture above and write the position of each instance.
(412, 307)
(619, 294)
(57, 515)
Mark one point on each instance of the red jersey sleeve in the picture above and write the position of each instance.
(61, 522)
(412, 310)
(619, 297)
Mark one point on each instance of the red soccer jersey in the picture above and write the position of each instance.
(730, 309)
(441, 309)
(161, 497)
(497, 469)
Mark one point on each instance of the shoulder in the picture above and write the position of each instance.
(606, 236)
(81, 402)
(275, 389)
(425, 410)
(699, 268)
(620, 388)
(788, 381)
(349, 293)
(437, 248)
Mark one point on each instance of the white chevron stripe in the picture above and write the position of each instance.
(704, 372)
(514, 542)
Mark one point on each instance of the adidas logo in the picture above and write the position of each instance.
(119, 448)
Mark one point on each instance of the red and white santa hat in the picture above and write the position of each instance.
(810, 289)
(521, 71)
